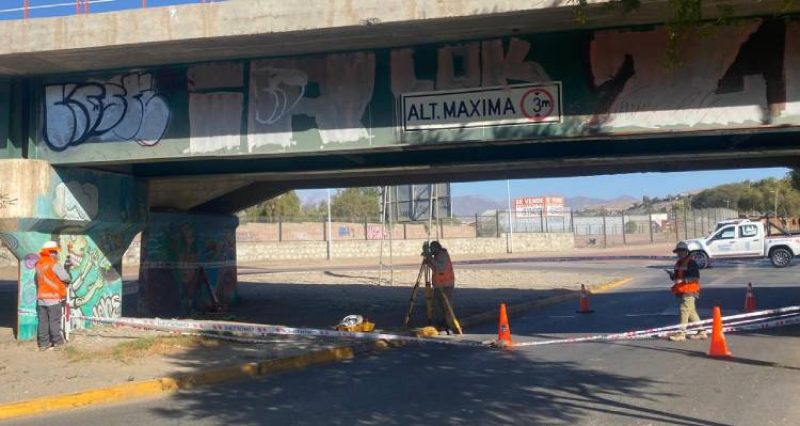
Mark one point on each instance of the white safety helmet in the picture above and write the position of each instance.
(681, 246)
(50, 246)
(352, 320)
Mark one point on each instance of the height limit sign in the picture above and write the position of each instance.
(510, 105)
(539, 104)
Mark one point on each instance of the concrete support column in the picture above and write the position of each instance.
(188, 260)
(94, 217)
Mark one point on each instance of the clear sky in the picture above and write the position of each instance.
(12, 9)
(604, 187)
(612, 186)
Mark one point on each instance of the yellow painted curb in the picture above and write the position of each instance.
(154, 387)
(81, 399)
(488, 316)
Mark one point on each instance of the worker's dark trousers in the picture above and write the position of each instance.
(441, 317)
(49, 330)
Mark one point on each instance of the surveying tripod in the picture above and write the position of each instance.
(425, 273)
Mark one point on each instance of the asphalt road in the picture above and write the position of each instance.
(622, 383)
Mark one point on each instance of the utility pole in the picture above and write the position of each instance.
(330, 236)
(510, 235)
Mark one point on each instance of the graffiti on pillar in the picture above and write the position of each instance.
(124, 108)
(96, 284)
(76, 201)
(174, 249)
(6, 200)
(8, 242)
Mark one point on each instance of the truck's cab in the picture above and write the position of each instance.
(742, 238)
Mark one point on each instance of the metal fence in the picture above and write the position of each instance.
(590, 230)
(25, 9)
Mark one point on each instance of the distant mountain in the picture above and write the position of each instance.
(470, 205)
(581, 203)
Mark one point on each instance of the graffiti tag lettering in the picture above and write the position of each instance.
(76, 201)
(6, 201)
(125, 108)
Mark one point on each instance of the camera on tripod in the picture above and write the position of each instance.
(426, 250)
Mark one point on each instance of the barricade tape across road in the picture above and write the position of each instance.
(769, 318)
(224, 328)
(761, 320)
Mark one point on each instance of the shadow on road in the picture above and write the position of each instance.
(316, 305)
(421, 386)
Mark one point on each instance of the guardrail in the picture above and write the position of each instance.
(27, 9)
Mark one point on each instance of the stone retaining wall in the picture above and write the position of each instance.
(299, 250)
(252, 251)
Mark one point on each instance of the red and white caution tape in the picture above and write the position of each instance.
(760, 320)
(769, 318)
(226, 328)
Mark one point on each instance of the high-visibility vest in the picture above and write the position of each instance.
(48, 285)
(444, 277)
(684, 287)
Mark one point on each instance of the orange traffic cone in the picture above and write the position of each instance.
(749, 299)
(503, 330)
(584, 309)
(718, 346)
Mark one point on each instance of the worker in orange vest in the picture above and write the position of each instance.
(51, 291)
(444, 280)
(686, 286)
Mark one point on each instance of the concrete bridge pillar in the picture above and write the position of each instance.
(188, 263)
(93, 215)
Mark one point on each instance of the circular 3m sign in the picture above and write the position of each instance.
(538, 104)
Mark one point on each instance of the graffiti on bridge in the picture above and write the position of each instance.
(124, 108)
(743, 76)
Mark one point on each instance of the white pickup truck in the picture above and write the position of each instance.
(743, 238)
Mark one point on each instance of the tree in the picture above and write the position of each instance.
(356, 203)
(794, 178)
(283, 206)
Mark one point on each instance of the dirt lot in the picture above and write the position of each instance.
(322, 298)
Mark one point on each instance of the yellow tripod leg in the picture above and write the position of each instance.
(450, 312)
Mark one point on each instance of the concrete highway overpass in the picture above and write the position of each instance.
(168, 120)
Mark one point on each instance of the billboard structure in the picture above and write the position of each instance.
(410, 203)
(533, 207)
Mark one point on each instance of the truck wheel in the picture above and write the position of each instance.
(780, 257)
(701, 258)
